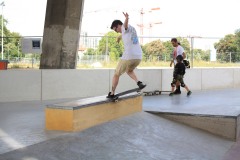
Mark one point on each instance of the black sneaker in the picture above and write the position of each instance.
(171, 94)
(141, 85)
(189, 93)
(177, 91)
(110, 95)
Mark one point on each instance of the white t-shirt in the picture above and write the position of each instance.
(132, 48)
(179, 51)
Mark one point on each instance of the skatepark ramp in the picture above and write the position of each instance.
(141, 135)
(224, 126)
(212, 111)
(84, 113)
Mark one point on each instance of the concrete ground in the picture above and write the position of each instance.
(139, 136)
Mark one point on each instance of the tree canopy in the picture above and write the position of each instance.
(229, 47)
(11, 41)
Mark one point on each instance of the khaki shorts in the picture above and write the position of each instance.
(126, 65)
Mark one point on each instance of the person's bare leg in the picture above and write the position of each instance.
(178, 85)
(173, 88)
(188, 91)
(186, 87)
(114, 83)
(132, 75)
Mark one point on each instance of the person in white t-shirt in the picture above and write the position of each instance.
(178, 50)
(131, 56)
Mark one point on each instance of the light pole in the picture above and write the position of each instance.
(18, 52)
(191, 49)
(2, 4)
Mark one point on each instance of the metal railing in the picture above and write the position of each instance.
(16, 57)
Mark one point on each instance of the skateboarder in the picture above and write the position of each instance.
(131, 56)
(179, 71)
(178, 50)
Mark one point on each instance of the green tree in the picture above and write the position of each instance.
(206, 55)
(198, 54)
(90, 51)
(11, 42)
(237, 33)
(108, 45)
(226, 46)
(168, 50)
(154, 48)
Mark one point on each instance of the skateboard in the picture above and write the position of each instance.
(156, 92)
(115, 98)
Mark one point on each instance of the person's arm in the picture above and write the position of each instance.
(126, 20)
(184, 55)
(171, 63)
(172, 59)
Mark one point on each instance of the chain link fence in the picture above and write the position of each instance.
(18, 59)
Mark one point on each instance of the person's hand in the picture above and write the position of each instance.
(126, 15)
(171, 64)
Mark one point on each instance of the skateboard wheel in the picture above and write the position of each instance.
(157, 93)
(116, 100)
(150, 94)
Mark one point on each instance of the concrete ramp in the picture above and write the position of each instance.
(140, 136)
(224, 126)
(213, 111)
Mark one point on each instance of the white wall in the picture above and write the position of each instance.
(26, 85)
(20, 85)
(217, 78)
(68, 83)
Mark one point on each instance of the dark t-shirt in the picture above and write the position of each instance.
(179, 69)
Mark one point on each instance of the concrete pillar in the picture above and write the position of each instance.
(61, 34)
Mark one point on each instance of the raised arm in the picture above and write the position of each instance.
(126, 20)
(184, 55)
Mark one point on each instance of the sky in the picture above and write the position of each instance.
(200, 18)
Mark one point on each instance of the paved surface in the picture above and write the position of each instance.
(138, 136)
(217, 102)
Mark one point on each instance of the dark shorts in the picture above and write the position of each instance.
(178, 78)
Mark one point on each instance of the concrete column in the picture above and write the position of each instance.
(61, 34)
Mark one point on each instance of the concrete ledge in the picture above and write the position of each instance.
(224, 126)
(85, 113)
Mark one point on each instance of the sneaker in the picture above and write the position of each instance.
(110, 95)
(141, 85)
(171, 94)
(177, 91)
(189, 93)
